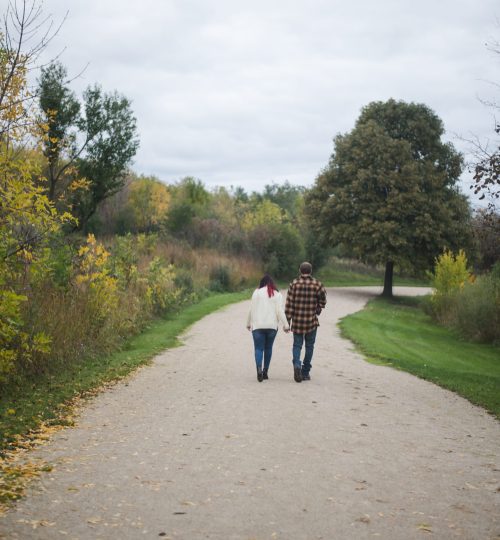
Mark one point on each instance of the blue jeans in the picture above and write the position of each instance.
(298, 340)
(263, 340)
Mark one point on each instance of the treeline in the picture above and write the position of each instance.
(269, 226)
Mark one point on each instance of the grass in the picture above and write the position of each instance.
(344, 273)
(398, 333)
(48, 400)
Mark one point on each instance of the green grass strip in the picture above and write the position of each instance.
(24, 406)
(401, 335)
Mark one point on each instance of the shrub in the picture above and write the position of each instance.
(94, 279)
(19, 345)
(184, 280)
(161, 287)
(450, 273)
(220, 279)
(280, 247)
(449, 277)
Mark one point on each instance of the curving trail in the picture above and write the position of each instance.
(193, 447)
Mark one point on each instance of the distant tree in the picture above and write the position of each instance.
(223, 207)
(389, 192)
(189, 199)
(487, 173)
(194, 191)
(240, 195)
(94, 149)
(486, 167)
(286, 196)
(486, 226)
(264, 213)
(109, 127)
(280, 247)
(148, 202)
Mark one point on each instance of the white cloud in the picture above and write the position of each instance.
(248, 93)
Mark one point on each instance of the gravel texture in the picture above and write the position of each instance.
(193, 447)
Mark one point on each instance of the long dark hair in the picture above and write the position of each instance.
(267, 280)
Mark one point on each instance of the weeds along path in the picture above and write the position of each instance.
(193, 447)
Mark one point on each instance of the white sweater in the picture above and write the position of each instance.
(266, 312)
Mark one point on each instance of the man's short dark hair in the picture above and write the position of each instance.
(306, 268)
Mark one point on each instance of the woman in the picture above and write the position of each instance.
(265, 314)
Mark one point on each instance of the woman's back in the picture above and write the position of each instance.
(266, 311)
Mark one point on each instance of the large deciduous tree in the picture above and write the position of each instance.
(389, 194)
(95, 147)
(110, 129)
(61, 112)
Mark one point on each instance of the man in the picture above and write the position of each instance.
(305, 299)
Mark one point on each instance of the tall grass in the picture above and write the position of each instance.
(473, 311)
(472, 307)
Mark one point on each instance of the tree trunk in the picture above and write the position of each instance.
(389, 269)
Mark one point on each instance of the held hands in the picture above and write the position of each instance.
(249, 327)
(286, 329)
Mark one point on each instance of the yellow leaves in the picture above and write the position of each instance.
(93, 276)
(16, 469)
(80, 183)
(265, 213)
(148, 202)
(41, 343)
(10, 318)
(15, 95)
(93, 257)
(450, 273)
(26, 255)
(14, 478)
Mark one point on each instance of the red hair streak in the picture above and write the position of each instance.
(270, 290)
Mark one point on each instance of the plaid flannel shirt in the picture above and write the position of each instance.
(305, 295)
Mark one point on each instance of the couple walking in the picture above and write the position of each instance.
(305, 299)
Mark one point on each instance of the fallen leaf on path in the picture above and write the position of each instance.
(35, 523)
(425, 528)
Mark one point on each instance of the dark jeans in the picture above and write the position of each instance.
(298, 341)
(263, 340)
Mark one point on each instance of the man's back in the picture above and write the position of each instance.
(305, 295)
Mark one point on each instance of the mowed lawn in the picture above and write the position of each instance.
(400, 334)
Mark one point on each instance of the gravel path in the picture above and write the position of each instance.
(193, 447)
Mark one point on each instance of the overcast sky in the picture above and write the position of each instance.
(249, 93)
